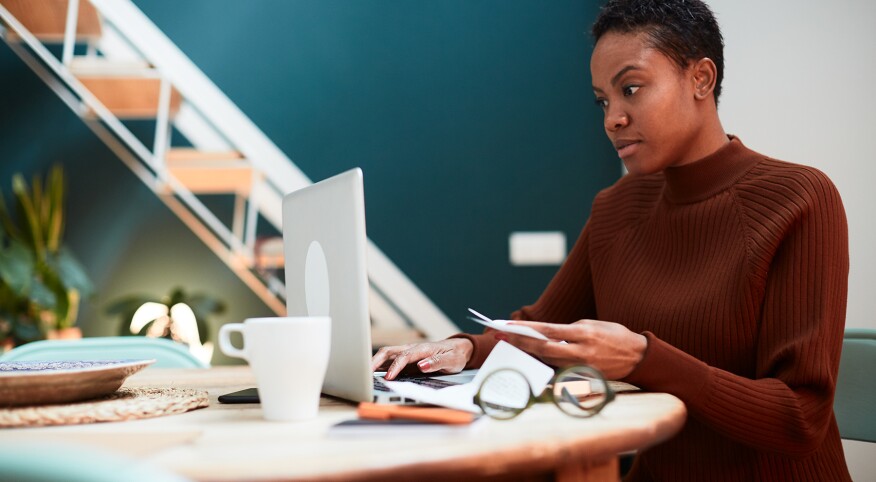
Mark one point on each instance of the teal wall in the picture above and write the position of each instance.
(470, 118)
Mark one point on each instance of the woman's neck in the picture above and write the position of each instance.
(708, 139)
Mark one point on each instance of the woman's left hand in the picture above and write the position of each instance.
(610, 347)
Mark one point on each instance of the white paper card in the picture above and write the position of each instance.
(505, 325)
(502, 325)
(461, 397)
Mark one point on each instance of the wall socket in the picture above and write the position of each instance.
(537, 248)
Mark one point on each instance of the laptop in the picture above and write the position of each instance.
(325, 247)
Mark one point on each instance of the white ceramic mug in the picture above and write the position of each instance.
(289, 356)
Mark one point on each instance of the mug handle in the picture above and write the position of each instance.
(225, 340)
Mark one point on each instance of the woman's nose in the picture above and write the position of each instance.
(615, 119)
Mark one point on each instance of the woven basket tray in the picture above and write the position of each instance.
(124, 404)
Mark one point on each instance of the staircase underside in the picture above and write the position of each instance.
(110, 85)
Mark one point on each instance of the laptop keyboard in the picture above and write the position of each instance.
(424, 381)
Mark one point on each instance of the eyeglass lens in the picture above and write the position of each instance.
(580, 391)
(504, 394)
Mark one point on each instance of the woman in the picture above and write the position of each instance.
(710, 272)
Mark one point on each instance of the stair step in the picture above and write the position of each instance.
(130, 97)
(47, 19)
(87, 66)
(181, 155)
(211, 172)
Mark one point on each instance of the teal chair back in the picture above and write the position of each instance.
(856, 386)
(55, 462)
(167, 353)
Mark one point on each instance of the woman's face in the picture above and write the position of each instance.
(649, 104)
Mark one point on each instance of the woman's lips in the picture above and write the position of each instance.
(626, 148)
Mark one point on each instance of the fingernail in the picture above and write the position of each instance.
(501, 336)
(424, 364)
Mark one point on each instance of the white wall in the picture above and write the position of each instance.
(798, 86)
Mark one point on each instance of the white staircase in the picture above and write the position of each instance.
(131, 70)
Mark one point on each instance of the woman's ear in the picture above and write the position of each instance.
(705, 74)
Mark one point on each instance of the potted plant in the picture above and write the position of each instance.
(179, 316)
(41, 282)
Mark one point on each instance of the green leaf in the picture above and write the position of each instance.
(128, 304)
(28, 211)
(17, 268)
(65, 307)
(6, 221)
(177, 295)
(39, 207)
(204, 305)
(24, 331)
(42, 296)
(54, 199)
(70, 273)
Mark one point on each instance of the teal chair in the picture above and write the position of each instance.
(167, 353)
(54, 462)
(856, 386)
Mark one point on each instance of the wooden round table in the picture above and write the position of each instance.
(233, 442)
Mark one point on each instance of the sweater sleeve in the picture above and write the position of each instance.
(787, 407)
(568, 298)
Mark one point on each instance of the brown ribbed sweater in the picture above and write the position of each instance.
(735, 268)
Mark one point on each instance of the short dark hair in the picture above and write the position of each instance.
(683, 30)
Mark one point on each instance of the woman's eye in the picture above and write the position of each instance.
(630, 90)
(601, 103)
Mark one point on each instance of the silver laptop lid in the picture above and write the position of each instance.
(326, 274)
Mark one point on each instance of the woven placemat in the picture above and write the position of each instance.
(124, 404)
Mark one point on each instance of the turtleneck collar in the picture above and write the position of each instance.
(710, 175)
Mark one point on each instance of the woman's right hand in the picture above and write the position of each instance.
(446, 356)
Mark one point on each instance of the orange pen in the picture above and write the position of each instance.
(376, 411)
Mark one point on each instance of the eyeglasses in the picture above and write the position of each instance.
(579, 391)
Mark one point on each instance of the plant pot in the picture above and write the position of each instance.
(72, 333)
